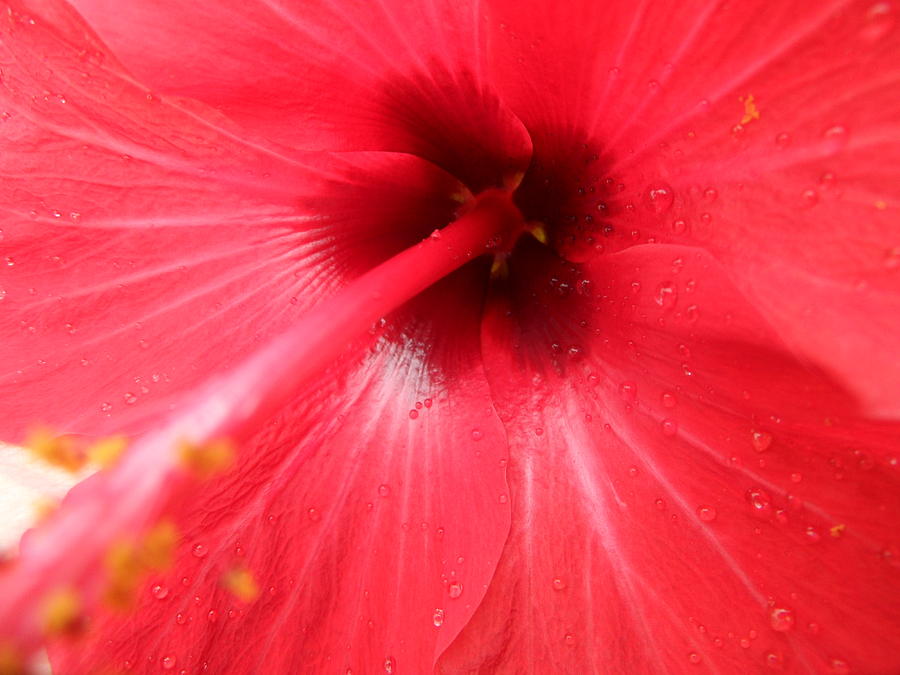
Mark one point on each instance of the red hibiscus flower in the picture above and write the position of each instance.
(456, 337)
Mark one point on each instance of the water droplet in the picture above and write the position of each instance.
(384, 490)
(438, 617)
(628, 391)
(679, 226)
(129, 398)
(782, 619)
(774, 661)
(809, 197)
(159, 591)
(879, 22)
(199, 550)
(413, 414)
(812, 535)
(694, 657)
(105, 407)
(389, 665)
(428, 402)
(839, 666)
(707, 513)
(666, 295)
(569, 639)
(168, 662)
(660, 197)
(633, 471)
(761, 440)
(760, 501)
(669, 427)
(313, 514)
(710, 194)
(455, 589)
(211, 616)
(477, 435)
(835, 138)
(669, 400)
(559, 584)
(783, 140)
(180, 619)
(660, 504)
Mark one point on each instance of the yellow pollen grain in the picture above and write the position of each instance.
(61, 612)
(107, 451)
(205, 460)
(10, 661)
(837, 530)
(158, 549)
(499, 268)
(57, 450)
(127, 563)
(45, 507)
(538, 231)
(241, 584)
(751, 112)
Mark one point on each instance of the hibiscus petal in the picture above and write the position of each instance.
(686, 496)
(358, 515)
(320, 75)
(772, 134)
(146, 246)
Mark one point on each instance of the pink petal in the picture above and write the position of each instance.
(147, 247)
(686, 496)
(319, 75)
(356, 511)
(799, 202)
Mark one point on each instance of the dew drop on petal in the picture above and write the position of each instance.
(783, 140)
(413, 414)
(706, 513)
(774, 661)
(477, 434)
(669, 427)
(679, 226)
(168, 662)
(569, 639)
(760, 501)
(455, 589)
(761, 440)
(159, 591)
(666, 295)
(389, 665)
(628, 391)
(199, 550)
(384, 490)
(840, 667)
(669, 400)
(694, 658)
(559, 584)
(782, 619)
(660, 197)
(438, 617)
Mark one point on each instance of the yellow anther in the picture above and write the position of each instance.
(106, 451)
(124, 570)
(62, 613)
(241, 584)
(10, 661)
(206, 460)
(158, 549)
(751, 112)
(513, 180)
(499, 268)
(44, 507)
(60, 451)
(127, 563)
(837, 530)
(538, 231)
